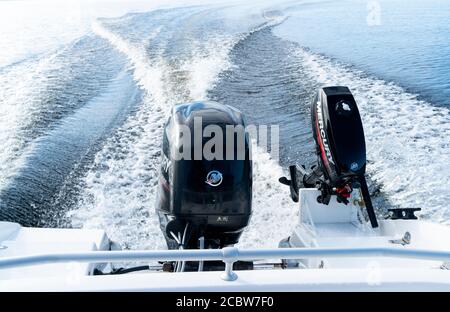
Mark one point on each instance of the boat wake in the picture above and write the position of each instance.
(119, 190)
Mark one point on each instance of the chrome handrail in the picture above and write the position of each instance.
(228, 255)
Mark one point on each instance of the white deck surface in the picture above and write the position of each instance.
(21, 241)
(267, 280)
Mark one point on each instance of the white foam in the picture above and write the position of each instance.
(274, 214)
(120, 189)
(146, 73)
(20, 108)
(118, 195)
(408, 140)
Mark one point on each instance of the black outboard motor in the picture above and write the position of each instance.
(204, 202)
(340, 147)
(339, 135)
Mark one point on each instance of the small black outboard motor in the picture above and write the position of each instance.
(339, 135)
(204, 202)
(340, 148)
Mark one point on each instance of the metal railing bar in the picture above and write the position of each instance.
(229, 254)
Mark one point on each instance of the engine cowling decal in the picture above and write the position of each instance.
(322, 136)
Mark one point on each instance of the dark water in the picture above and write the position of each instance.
(266, 86)
(406, 42)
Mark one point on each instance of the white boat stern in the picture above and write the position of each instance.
(16, 241)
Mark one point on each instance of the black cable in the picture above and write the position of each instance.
(123, 270)
(132, 269)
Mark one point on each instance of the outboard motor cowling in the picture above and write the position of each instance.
(204, 199)
(339, 134)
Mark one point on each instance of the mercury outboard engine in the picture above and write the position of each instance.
(340, 148)
(204, 201)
